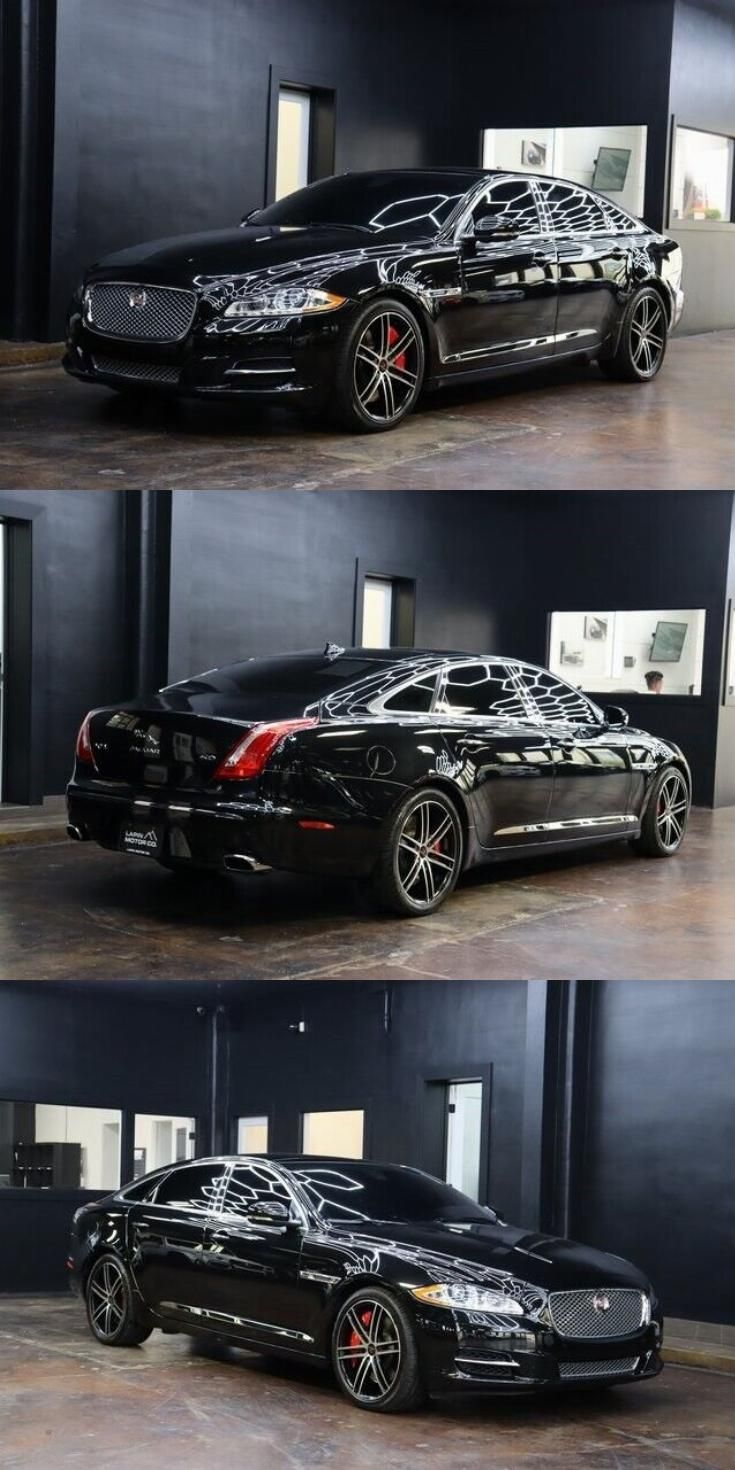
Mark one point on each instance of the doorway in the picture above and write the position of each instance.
(463, 1136)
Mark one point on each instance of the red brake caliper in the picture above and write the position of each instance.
(393, 337)
(354, 1340)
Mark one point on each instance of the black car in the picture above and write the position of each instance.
(405, 1285)
(359, 291)
(399, 767)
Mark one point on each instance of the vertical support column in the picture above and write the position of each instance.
(217, 1130)
(147, 535)
(532, 1127)
(558, 1020)
(27, 45)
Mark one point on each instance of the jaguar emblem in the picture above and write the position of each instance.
(600, 1302)
(137, 299)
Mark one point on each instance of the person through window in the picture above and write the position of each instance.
(654, 681)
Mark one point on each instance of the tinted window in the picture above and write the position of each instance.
(415, 698)
(355, 1192)
(622, 223)
(556, 701)
(514, 199)
(403, 203)
(196, 1189)
(481, 689)
(574, 211)
(144, 1188)
(251, 1183)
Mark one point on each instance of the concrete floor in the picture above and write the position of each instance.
(562, 429)
(64, 1399)
(75, 912)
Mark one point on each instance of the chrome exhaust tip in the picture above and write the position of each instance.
(77, 834)
(240, 862)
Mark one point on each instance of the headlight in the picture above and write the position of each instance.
(470, 1298)
(290, 301)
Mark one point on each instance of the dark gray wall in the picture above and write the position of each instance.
(703, 96)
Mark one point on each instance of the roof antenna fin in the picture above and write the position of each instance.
(333, 650)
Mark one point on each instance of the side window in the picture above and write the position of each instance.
(573, 211)
(413, 699)
(481, 689)
(557, 702)
(622, 223)
(251, 1183)
(198, 1189)
(515, 199)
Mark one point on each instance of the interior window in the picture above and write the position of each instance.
(573, 211)
(481, 689)
(557, 702)
(253, 1183)
(413, 699)
(196, 1189)
(513, 198)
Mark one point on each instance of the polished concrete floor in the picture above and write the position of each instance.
(64, 1399)
(75, 912)
(562, 429)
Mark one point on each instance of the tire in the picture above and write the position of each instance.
(665, 818)
(642, 342)
(377, 385)
(425, 818)
(385, 1382)
(112, 1312)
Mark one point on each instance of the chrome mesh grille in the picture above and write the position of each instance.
(573, 1313)
(610, 1369)
(162, 313)
(142, 372)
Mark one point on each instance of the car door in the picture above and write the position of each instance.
(592, 787)
(509, 288)
(252, 1268)
(505, 757)
(593, 264)
(166, 1239)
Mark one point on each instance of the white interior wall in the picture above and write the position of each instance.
(571, 154)
(156, 1133)
(100, 1161)
(629, 633)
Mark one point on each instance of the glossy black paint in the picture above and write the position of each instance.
(544, 770)
(255, 1250)
(537, 290)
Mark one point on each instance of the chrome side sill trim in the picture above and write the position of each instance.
(576, 824)
(205, 1314)
(528, 344)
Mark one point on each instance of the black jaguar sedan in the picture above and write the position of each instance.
(398, 767)
(358, 291)
(404, 1285)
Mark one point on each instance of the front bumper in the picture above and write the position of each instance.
(223, 836)
(288, 361)
(468, 1354)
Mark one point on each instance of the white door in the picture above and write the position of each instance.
(292, 142)
(377, 612)
(464, 1120)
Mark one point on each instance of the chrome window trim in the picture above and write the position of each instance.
(376, 706)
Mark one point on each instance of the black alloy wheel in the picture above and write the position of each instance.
(665, 819)
(643, 339)
(422, 855)
(380, 368)
(374, 1353)
(111, 1312)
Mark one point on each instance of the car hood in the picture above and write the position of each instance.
(218, 253)
(484, 1252)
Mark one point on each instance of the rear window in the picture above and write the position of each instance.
(312, 677)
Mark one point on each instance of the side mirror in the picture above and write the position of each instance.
(614, 715)
(270, 1212)
(246, 218)
(491, 226)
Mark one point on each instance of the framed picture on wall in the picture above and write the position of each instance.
(595, 628)
(569, 653)
(533, 154)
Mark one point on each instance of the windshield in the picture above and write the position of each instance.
(401, 204)
(354, 1193)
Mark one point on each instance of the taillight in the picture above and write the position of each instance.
(84, 743)
(250, 756)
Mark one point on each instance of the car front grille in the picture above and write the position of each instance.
(139, 313)
(617, 1312)
(610, 1369)
(141, 372)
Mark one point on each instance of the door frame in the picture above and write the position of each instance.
(433, 1148)
(23, 754)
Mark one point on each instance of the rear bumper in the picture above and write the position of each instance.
(294, 364)
(213, 834)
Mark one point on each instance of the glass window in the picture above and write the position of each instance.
(656, 651)
(611, 160)
(198, 1188)
(556, 701)
(702, 177)
(573, 211)
(50, 1146)
(481, 689)
(385, 1192)
(160, 1140)
(409, 203)
(251, 1183)
(514, 199)
(338, 1133)
(252, 1135)
(414, 698)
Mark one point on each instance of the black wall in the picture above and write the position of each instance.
(650, 1130)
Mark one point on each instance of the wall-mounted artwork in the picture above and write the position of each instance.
(595, 628)
(533, 154)
(570, 654)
